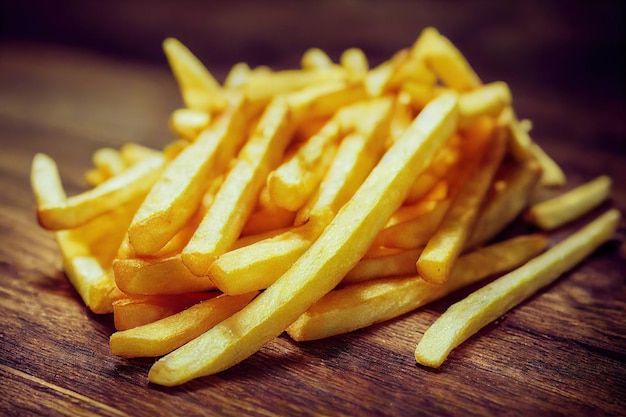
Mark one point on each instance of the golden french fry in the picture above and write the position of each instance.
(378, 78)
(551, 173)
(46, 182)
(237, 75)
(416, 232)
(133, 153)
(411, 69)
(323, 266)
(87, 252)
(188, 123)
(137, 310)
(507, 198)
(56, 214)
(145, 276)
(468, 316)
(175, 197)
(394, 264)
(236, 198)
(109, 161)
(200, 90)
(355, 63)
(557, 211)
(488, 99)
(291, 184)
(360, 305)
(316, 59)
(420, 93)
(268, 219)
(263, 86)
(323, 100)
(163, 336)
(438, 257)
(445, 60)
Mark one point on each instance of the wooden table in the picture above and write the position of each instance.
(563, 352)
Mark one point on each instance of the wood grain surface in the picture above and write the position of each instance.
(562, 352)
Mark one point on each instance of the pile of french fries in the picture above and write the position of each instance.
(316, 201)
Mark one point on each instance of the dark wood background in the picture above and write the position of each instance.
(78, 75)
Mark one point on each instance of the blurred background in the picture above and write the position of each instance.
(550, 52)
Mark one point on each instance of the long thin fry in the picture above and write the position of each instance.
(485, 305)
(56, 213)
(323, 266)
(437, 259)
(557, 211)
(361, 305)
(165, 335)
(137, 310)
(200, 90)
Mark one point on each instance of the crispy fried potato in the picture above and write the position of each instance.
(445, 60)
(200, 90)
(557, 211)
(57, 213)
(163, 336)
(437, 259)
(361, 305)
(137, 310)
(486, 304)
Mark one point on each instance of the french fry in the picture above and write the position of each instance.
(506, 200)
(169, 275)
(379, 77)
(468, 316)
(360, 305)
(188, 123)
(323, 100)
(134, 311)
(355, 63)
(557, 211)
(109, 161)
(235, 200)
(268, 219)
(55, 213)
(551, 173)
(163, 336)
(87, 252)
(176, 196)
(416, 232)
(200, 90)
(46, 182)
(316, 59)
(323, 266)
(445, 60)
(292, 183)
(394, 264)
(488, 99)
(263, 86)
(438, 257)
(134, 153)
(237, 75)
